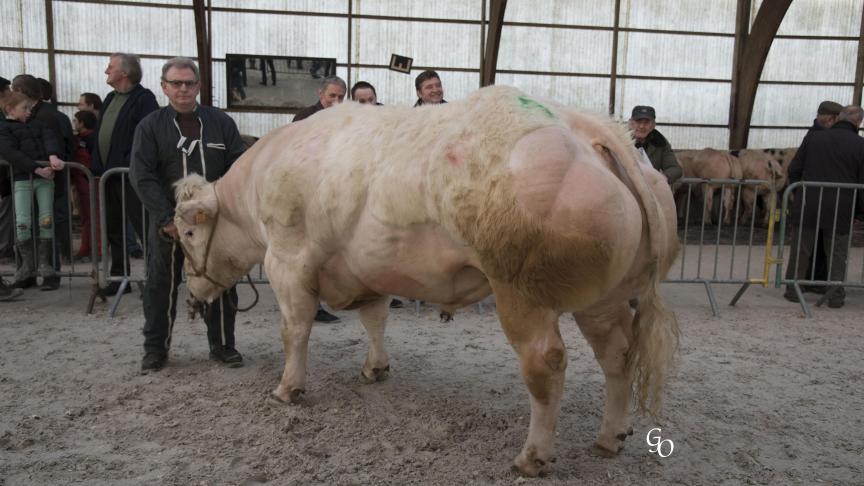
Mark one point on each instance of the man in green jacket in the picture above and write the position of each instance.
(656, 147)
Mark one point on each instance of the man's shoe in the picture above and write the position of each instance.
(396, 304)
(24, 284)
(228, 356)
(50, 283)
(836, 302)
(137, 253)
(324, 316)
(153, 362)
(790, 295)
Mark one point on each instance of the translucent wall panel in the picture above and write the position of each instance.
(675, 55)
(572, 12)
(397, 88)
(79, 74)
(23, 24)
(591, 94)
(259, 124)
(428, 43)
(794, 105)
(694, 138)
(775, 138)
(439, 9)
(675, 101)
(820, 17)
(555, 50)
(279, 35)
(123, 28)
(811, 60)
(327, 6)
(690, 15)
(15, 63)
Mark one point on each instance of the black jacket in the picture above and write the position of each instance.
(21, 144)
(141, 103)
(56, 121)
(832, 155)
(157, 163)
(308, 111)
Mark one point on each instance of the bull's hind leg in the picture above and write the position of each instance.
(298, 306)
(374, 319)
(533, 333)
(609, 332)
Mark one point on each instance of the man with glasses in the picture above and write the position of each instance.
(122, 110)
(180, 139)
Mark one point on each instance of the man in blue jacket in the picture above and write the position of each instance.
(122, 110)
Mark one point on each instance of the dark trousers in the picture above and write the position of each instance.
(7, 226)
(115, 222)
(164, 265)
(811, 240)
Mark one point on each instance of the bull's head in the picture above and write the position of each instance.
(208, 271)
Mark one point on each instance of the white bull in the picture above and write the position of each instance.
(541, 205)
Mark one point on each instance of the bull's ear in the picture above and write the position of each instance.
(197, 211)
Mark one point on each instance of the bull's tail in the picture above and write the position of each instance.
(655, 340)
(655, 327)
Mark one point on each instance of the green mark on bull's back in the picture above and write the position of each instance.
(530, 104)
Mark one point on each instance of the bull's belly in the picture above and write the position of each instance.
(419, 262)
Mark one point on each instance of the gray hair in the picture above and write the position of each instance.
(333, 80)
(129, 64)
(181, 63)
(852, 114)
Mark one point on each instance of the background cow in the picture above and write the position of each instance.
(709, 163)
(543, 206)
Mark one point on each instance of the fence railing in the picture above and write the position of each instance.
(721, 230)
(62, 234)
(829, 221)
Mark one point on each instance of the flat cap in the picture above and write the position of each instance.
(829, 108)
(643, 112)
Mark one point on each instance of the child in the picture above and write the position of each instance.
(22, 144)
(84, 123)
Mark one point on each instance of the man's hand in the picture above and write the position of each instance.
(45, 172)
(170, 231)
(56, 163)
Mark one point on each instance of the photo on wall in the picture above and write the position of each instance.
(287, 83)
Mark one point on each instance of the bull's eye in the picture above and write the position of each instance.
(188, 233)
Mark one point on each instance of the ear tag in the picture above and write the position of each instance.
(200, 217)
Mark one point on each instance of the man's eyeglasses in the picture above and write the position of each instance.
(177, 83)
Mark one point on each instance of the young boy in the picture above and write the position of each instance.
(22, 144)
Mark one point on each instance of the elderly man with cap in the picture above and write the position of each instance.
(826, 116)
(653, 143)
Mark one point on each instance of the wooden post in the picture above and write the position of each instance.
(751, 61)
(52, 63)
(490, 59)
(202, 34)
(859, 67)
(613, 72)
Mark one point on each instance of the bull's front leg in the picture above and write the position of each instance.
(533, 333)
(298, 306)
(374, 319)
(609, 332)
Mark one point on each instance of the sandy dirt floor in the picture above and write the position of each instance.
(760, 396)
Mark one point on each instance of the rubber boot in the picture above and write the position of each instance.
(46, 265)
(25, 274)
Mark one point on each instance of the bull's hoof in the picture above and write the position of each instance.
(293, 397)
(376, 375)
(604, 451)
(527, 464)
(445, 316)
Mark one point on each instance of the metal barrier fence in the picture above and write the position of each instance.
(832, 275)
(707, 248)
(62, 233)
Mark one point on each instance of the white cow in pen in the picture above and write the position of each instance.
(543, 206)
